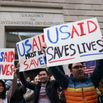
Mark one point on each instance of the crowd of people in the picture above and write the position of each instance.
(53, 86)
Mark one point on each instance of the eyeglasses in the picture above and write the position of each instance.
(78, 66)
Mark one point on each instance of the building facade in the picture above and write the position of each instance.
(34, 15)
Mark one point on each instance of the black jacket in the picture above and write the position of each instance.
(51, 89)
(18, 94)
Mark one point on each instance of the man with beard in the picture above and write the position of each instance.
(79, 88)
(45, 91)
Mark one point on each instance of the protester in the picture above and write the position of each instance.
(100, 89)
(61, 95)
(45, 91)
(5, 97)
(28, 79)
(78, 88)
(29, 95)
(20, 90)
(36, 79)
(8, 84)
(18, 97)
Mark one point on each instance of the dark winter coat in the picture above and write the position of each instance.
(18, 94)
(51, 89)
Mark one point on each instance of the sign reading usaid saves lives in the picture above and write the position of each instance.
(7, 57)
(73, 42)
(30, 54)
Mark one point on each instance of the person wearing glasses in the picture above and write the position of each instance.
(79, 88)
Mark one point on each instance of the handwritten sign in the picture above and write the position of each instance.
(73, 42)
(30, 54)
(7, 57)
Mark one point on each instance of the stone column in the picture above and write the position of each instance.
(2, 37)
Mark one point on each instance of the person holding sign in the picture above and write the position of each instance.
(45, 91)
(6, 98)
(79, 86)
(75, 43)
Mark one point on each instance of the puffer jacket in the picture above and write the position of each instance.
(84, 92)
(79, 92)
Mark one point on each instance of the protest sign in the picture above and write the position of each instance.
(30, 54)
(73, 42)
(7, 57)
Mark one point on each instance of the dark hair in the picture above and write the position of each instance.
(3, 94)
(70, 66)
(43, 69)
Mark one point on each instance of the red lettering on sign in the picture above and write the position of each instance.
(74, 31)
(7, 69)
(9, 56)
(33, 63)
(35, 45)
(89, 23)
(26, 65)
(81, 28)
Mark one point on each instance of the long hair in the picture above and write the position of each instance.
(3, 94)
